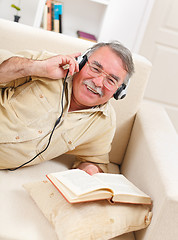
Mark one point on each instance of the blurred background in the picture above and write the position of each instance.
(146, 27)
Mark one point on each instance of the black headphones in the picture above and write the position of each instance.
(121, 91)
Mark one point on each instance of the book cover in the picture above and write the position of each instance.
(58, 17)
(49, 22)
(86, 36)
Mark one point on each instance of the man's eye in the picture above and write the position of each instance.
(95, 69)
(111, 81)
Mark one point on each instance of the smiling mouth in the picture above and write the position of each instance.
(92, 90)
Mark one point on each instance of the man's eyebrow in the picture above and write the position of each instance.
(97, 64)
(115, 77)
(112, 75)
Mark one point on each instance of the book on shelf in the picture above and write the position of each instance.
(86, 36)
(52, 16)
(57, 21)
(78, 186)
(48, 15)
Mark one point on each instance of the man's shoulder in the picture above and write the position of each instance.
(111, 113)
(36, 55)
(28, 53)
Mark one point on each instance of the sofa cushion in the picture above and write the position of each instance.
(91, 220)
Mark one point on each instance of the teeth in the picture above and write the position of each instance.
(92, 90)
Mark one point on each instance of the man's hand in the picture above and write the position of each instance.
(89, 168)
(54, 66)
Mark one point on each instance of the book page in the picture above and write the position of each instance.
(119, 184)
(78, 181)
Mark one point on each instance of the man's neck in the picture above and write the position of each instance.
(75, 106)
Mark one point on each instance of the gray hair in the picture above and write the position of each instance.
(121, 51)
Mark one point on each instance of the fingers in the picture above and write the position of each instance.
(75, 55)
(92, 169)
(89, 168)
(56, 66)
(70, 60)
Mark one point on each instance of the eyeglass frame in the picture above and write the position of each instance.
(104, 77)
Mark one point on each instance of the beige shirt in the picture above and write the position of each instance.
(28, 111)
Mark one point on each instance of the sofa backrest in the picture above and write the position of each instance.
(127, 108)
(16, 36)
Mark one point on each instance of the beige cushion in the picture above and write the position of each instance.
(94, 220)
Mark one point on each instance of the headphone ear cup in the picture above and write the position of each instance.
(83, 62)
(121, 92)
(82, 59)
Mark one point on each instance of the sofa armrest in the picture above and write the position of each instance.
(151, 162)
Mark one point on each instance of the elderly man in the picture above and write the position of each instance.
(36, 91)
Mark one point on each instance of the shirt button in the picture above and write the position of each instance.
(41, 96)
(39, 131)
(17, 137)
(69, 142)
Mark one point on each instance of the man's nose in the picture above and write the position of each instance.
(98, 81)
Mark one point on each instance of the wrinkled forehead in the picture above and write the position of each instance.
(109, 61)
(105, 54)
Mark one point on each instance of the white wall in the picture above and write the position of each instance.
(125, 20)
(28, 10)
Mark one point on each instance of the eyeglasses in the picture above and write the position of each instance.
(108, 81)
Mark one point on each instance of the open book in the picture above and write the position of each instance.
(78, 186)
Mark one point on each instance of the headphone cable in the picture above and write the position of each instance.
(50, 137)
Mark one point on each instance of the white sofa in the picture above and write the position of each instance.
(145, 148)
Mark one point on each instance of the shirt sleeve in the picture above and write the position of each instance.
(30, 54)
(4, 55)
